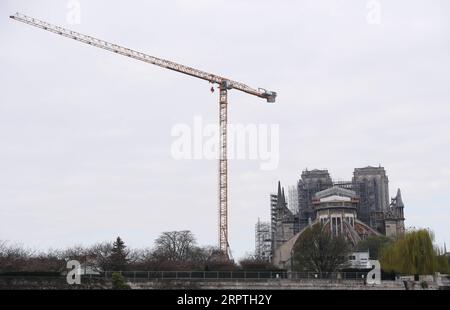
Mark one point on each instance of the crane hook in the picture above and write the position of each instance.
(212, 89)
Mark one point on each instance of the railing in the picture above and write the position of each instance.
(232, 275)
(206, 275)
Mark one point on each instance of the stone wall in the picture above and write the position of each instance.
(272, 284)
(281, 284)
(46, 283)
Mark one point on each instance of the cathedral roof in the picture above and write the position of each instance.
(335, 198)
(335, 191)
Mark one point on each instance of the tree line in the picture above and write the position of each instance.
(172, 251)
(316, 250)
(412, 254)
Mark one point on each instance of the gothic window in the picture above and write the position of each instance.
(333, 226)
(339, 227)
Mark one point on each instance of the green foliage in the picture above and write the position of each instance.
(424, 284)
(413, 254)
(443, 264)
(118, 282)
(373, 244)
(317, 250)
(118, 258)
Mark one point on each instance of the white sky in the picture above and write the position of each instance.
(85, 134)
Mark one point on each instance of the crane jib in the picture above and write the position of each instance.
(212, 78)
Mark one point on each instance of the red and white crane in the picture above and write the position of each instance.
(224, 84)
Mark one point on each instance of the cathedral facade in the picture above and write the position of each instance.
(357, 209)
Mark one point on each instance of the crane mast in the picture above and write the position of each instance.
(224, 84)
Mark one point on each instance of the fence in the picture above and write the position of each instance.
(232, 275)
(201, 275)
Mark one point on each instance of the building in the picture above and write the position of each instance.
(336, 209)
(359, 260)
(356, 208)
(283, 224)
(293, 199)
(310, 183)
(371, 185)
(263, 241)
(394, 218)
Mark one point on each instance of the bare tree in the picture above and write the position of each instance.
(175, 246)
(48, 261)
(140, 259)
(16, 258)
(2, 246)
(203, 255)
(100, 254)
(77, 252)
(13, 257)
(255, 263)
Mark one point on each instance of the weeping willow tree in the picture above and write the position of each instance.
(413, 254)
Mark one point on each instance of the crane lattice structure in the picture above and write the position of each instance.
(224, 84)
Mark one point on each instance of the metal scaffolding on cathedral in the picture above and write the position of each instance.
(370, 211)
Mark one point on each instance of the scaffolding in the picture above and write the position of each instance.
(263, 240)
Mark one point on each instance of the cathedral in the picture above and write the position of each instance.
(355, 209)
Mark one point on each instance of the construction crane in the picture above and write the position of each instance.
(224, 84)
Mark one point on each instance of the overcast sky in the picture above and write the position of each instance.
(85, 135)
